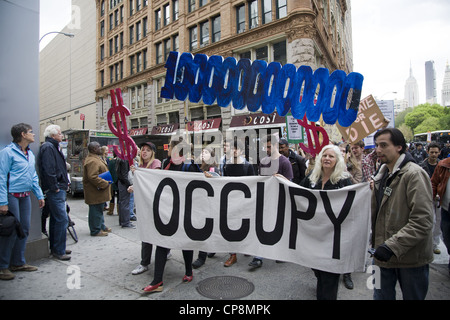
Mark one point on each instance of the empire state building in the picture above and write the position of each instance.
(411, 90)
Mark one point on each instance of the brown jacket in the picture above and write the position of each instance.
(96, 189)
(404, 219)
(440, 177)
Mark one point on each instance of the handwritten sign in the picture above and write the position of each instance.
(369, 119)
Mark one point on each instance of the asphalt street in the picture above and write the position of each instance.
(100, 269)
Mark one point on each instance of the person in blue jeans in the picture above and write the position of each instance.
(18, 178)
(54, 183)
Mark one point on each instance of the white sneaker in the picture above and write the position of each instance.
(139, 269)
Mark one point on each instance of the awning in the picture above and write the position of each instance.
(256, 121)
(165, 129)
(203, 125)
(138, 131)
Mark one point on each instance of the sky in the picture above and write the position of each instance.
(388, 37)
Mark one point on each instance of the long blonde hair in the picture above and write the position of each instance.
(152, 158)
(339, 172)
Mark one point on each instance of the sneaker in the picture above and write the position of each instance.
(62, 257)
(187, 279)
(139, 269)
(6, 274)
(129, 225)
(256, 263)
(231, 260)
(25, 267)
(198, 263)
(108, 230)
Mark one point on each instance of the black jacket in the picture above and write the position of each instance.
(123, 167)
(52, 166)
(298, 166)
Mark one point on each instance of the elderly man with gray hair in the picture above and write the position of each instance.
(54, 183)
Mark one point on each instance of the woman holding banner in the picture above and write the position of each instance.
(146, 160)
(329, 173)
(210, 169)
(177, 162)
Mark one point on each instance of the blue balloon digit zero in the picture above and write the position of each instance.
(270, 87)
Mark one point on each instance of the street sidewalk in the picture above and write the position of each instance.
(100, 269)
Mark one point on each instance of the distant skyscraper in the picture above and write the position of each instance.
(411, 90)
(430, 82)
(446, 87)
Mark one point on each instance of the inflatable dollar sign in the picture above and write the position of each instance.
(128, 148)
(312, 133)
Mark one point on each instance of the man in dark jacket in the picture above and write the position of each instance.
(298, 162)
(54, 183)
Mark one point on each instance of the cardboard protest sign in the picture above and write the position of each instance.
(369, 119)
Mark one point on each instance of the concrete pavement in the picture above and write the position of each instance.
(100, 269)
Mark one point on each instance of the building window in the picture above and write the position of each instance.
(281, 9)
(111, 23)
(159, 57)
(138, 5)
(216, 29)
(102, 52)
(175, 10)
(157, 19)
(116, 44)
(138, 61)
(131, 65)
(131, 7)
(144, 26)
(202, 3)
(121, 40)
(102, 78)
(102, 9)
(166, 14)
(144, 53)
(131, 34)
(240, 18)
(279, 52)
(191, 5)
(166, 49)
(193, 44)
(253, 14)
(262, 54)
(111, 74)
(102, 28)
(111, 47)
(175, 43)
(204, 34)
(116, 17)
(138, 31)
(266, 11)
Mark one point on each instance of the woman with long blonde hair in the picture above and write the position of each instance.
(329, 173)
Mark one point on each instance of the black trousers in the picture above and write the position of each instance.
(327, 285)
(160, 263)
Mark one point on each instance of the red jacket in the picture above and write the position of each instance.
(440, 177)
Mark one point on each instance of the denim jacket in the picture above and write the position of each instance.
(21, 170)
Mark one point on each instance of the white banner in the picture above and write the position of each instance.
(261, 216)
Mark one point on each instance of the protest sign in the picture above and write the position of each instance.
(260, 215)
(369, 119)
